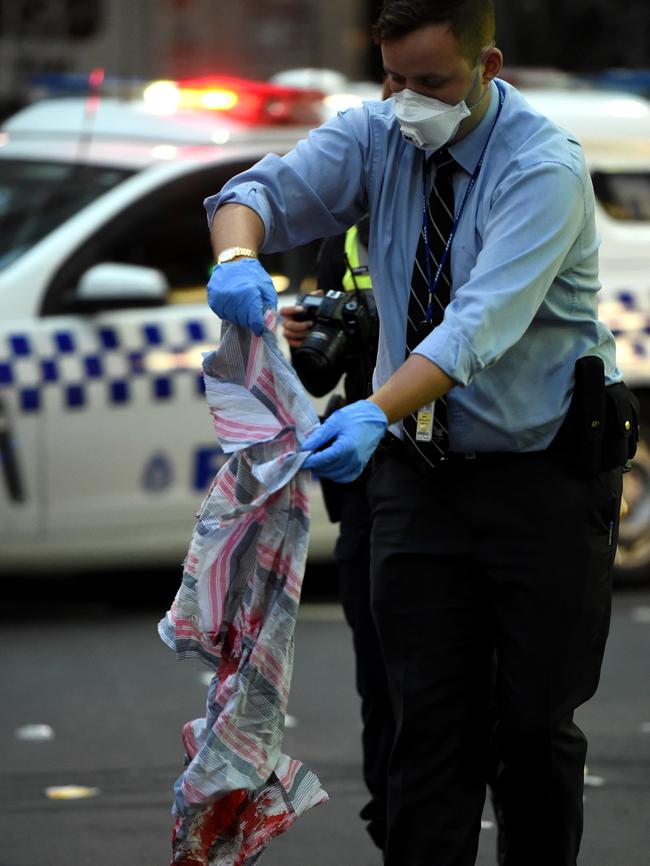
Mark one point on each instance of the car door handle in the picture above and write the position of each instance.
(8, 459)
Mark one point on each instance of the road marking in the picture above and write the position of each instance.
(313, 612)
(290, 721)
(645, 728)
(487, 825)
(594, 781)
(641, 614)
(206, 678)
(35, 733)
(70, 792)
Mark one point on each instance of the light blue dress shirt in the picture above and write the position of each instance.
(524, 260)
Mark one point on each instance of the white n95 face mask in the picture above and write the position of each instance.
(429, 123)
(425, 122)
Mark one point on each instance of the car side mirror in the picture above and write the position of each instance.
(110, 285)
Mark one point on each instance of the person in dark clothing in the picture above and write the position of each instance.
(348, 504)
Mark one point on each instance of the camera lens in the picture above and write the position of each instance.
(319, 361)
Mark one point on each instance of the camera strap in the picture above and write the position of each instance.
(435, 281)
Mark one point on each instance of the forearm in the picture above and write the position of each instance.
(417, 382)
(235, 225)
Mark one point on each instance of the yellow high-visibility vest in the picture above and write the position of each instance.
(357, 255)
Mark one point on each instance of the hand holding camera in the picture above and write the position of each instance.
(329, 334)
(294, 324)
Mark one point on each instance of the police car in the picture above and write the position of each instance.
(106, 443)
(105, 440)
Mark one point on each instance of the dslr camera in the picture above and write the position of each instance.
(344, 334)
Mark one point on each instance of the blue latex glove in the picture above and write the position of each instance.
(238, 292)
(353, 433)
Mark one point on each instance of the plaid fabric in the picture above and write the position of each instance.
(236, 609)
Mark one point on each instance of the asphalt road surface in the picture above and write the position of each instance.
(114, 699)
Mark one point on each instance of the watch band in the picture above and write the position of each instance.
(231, 253)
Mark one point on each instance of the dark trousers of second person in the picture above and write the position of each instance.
(509, 554)
(353, 558)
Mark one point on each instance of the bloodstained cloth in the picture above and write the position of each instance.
(236, 609)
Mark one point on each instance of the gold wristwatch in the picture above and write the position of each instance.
(231, 253)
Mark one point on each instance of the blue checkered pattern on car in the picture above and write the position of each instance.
(628, 318)
(32, 367)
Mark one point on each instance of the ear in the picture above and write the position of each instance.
(492, 63)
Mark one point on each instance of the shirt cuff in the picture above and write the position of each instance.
(248, 194)
(450, 350)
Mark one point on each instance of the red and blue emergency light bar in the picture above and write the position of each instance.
(241, 99)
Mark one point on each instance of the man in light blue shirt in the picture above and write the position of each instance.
(504, 545)
(524, 259)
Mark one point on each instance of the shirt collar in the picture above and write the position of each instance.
(468, 150)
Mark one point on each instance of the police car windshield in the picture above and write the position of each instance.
(37, 197)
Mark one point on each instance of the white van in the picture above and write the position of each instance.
(614, 129)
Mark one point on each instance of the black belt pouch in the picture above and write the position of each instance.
(622, 426)
(601, 429)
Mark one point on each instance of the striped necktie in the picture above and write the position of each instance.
(432, 441)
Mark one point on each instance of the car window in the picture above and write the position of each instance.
(167, 230)
(37, 197)
(624, 195)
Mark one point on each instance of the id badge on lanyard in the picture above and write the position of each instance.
(424, 423)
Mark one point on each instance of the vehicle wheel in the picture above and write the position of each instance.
(632, 563)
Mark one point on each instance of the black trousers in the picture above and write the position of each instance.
(511, 555)
(353, 558)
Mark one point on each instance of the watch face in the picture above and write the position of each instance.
(224, 256)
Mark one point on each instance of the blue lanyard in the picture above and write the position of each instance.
(433, 284)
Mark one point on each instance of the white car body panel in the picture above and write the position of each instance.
(111, 483)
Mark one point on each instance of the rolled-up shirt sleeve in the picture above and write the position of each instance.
(317, 190)
(536, 218)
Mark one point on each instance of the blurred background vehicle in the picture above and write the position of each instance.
(614, 129)
(107, 446)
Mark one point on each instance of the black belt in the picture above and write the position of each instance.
(392, 446)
